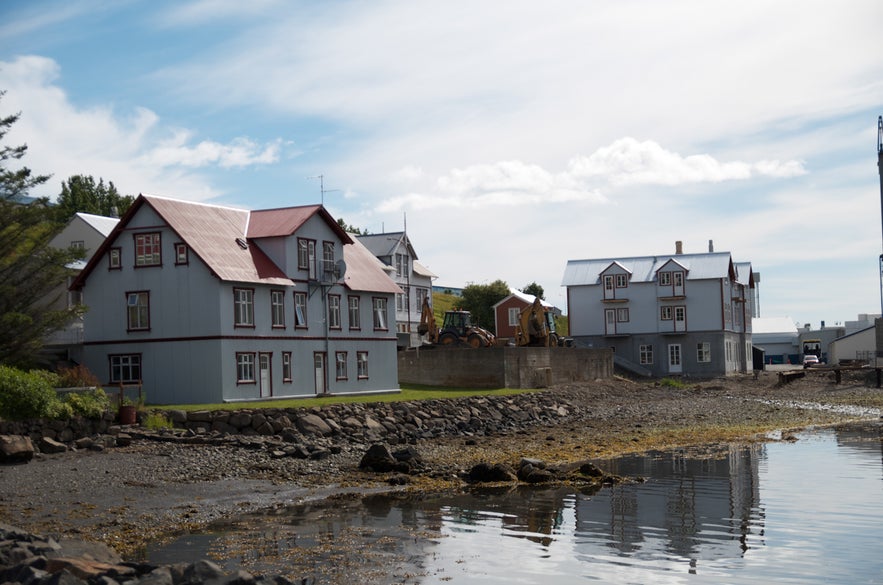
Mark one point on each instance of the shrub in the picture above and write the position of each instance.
(25, 395)
(78, 376)
(91, 404)
(157, 420)
(672, 383)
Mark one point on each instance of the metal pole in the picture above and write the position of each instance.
(880, 171)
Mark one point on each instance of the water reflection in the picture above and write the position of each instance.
(806, 512)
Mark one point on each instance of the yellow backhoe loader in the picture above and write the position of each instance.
(456, 331)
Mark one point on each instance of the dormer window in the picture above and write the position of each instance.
(665, 279)
(622, 280)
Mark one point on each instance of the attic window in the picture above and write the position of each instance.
(242, 243)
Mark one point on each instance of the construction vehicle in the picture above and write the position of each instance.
(457, 329)
(536, 327)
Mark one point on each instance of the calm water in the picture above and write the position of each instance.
(810, 511)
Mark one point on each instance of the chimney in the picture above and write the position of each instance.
(710, 246)
(679, 247)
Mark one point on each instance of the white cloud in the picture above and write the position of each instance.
(127, 148)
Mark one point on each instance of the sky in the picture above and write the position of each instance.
(506, 137)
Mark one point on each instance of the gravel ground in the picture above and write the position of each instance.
(127, 496)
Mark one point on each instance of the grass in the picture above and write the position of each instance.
(408, 393)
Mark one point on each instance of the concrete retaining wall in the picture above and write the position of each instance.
(504, 367)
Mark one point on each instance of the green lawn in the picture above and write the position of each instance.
(408, 393)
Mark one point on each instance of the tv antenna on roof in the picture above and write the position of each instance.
(322, 189)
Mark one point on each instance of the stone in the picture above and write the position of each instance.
(313, 424)
(487, 473)
(48, 445)
(16, 449)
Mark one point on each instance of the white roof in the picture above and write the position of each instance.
(644, 268)
(760, 325)
(528, 299)
(101, 224)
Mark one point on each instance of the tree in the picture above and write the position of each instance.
(535, 290)
(479, 299)
(31, 272)
(81, 194)
(351, 229)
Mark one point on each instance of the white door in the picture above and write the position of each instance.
(609, 291)
(610, 321)
(680, 319)
(319, 366)
(674, 358)
(678, 283)
(265, 379)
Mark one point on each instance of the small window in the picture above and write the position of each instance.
(403, 262)
(362, 364)
(646, 355)
(622, 315)
(180, 253)
(245, 370)
(113, 259)
(243, 307)
(665, 279)
(277, 307)
(703, 352)
(148, 251)
(608, 282)
(286, 366)
(334, 311)
(380, 314)
(513, 316)
(340, 364)
(665, 313)
(354, 313)
(125, 369)
(138, 311)
(622, 280)
(78, 245)
(300, 309)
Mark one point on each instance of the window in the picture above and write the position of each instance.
(665, 279)
(646, 354)
(703, 352)
(113, 259)
(125, 368)
(277, 307)
(622, 280)
(74, 297)
(354, 315)
(180, 253)
(300, 309)
(400, 302)
(665, 313)
(680, 314)
(513, 316)
(362, 364)
(622, 315)
(306, 256)
(380, 313)
(243, 307)
(138, 311)
(147, 250)
(245, 373)
(402, 264)
(78, 245)
(334, 311)
(328, 256)
(422, 294)
(286, 366)
(608, 282)
(340, 364)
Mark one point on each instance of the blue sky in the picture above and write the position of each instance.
(510, 136)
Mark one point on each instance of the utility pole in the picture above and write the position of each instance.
(880, 171)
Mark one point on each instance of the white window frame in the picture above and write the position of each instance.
(300, 310)
(666, 313)
(362, 365)
(286, 366)
(138, 310)
(334, 311)
(340, 365)
(622, 315)
(703, 352)
(243, 307)
(665, 279)
(622, 281)
(514, 313)
(277, 308)
(380, 317)
(148, 249)
(245, 368)
(645, 352)
(355, 318)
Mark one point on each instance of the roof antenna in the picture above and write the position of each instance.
(322, 189)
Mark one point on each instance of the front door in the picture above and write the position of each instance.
(674, 358)
(319, 367)
(265, 378)
(610, 321)
(680, 319)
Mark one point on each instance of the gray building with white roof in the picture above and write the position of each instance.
(678, 314)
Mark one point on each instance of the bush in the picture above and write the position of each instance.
(25, 395)
(157, 420)
(77, 377)
(91, 404)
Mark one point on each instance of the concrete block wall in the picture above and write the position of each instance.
(503, 367)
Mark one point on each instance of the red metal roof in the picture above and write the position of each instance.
(364, 272)
(266, 223)
(218, 236)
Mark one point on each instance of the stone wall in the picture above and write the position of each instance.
(504, 367)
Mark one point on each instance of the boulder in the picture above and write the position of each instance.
(47, 445)
(16, 449)
(487, 473)
(313, 424)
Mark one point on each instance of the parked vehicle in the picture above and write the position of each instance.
(536, 327)
(457, 329)
(810, 360)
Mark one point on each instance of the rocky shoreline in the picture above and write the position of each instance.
(152, 484)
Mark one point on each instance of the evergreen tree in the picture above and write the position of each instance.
(479, 299)
(31, 272)
(81, 194)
